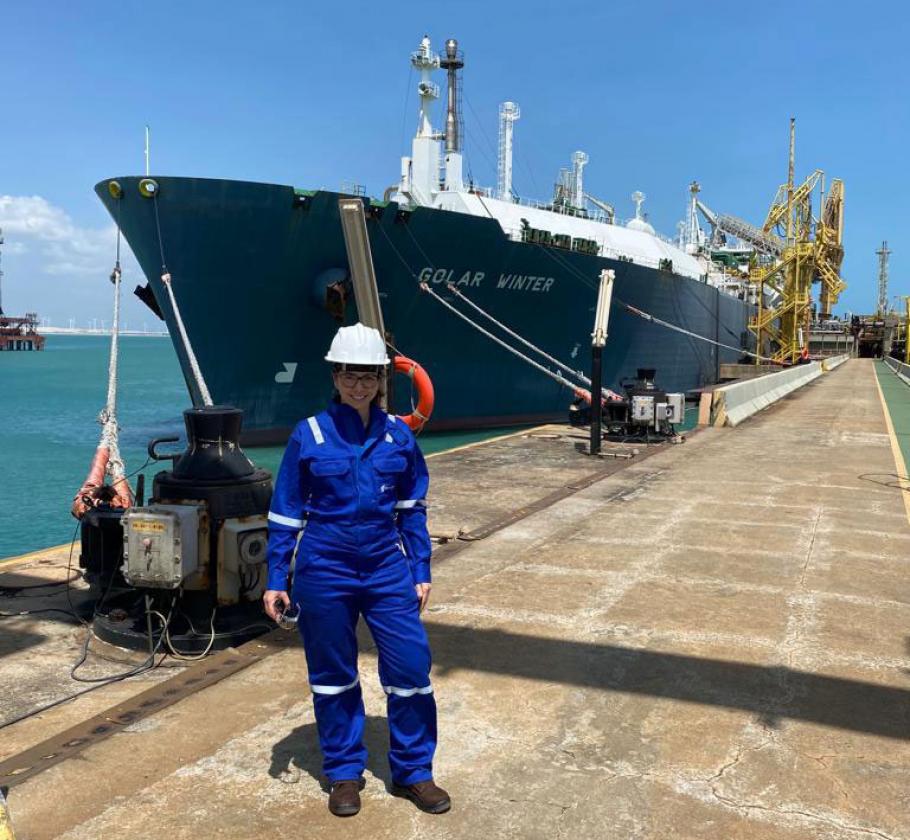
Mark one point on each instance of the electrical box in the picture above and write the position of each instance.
(242, 569)
(676, 404)
(642, 409)
(161, 544)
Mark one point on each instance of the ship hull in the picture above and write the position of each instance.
(250, 264)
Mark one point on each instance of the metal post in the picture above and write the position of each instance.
(363, 275)
(596, 397)
(598, 340)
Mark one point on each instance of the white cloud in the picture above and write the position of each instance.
(64, 248)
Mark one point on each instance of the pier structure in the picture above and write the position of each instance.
(20, 333)
(707, 640)
(17, 333)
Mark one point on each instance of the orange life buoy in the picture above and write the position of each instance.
(425, 395)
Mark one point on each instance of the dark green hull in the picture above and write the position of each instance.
(250, 264)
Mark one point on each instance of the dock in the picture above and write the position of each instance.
(705, 640)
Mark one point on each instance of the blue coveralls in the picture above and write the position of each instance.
(359, 496)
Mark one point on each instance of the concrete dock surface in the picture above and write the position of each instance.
(710, 640)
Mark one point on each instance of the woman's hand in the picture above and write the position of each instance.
(275, 602)
(423, 594)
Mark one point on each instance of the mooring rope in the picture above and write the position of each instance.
(576, 373)
(107, 459)
(580, 392)
(110, 437)
(188, 348)
(184, 337)
(659, 321)
(558, 377)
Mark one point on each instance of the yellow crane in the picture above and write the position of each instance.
(813, 252)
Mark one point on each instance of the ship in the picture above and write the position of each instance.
(260, 276)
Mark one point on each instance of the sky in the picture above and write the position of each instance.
(316, 94)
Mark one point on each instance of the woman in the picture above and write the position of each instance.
(356, 478)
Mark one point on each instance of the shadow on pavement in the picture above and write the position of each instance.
(772, 693)
(300, 749)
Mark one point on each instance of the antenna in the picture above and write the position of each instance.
(883, 254)
(1, 275)
(579, 160)
(692, 229)
(509, 112)
(638, 197)
(147, 172)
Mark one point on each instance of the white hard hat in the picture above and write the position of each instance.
(357, 345)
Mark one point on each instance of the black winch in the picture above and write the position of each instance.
(647, 413)
(195, 554)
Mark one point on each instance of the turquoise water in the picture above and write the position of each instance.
(49, 431)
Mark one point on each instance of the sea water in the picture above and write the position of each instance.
(49, 406)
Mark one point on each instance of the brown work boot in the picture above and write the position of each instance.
(344, 797)
(425, 795)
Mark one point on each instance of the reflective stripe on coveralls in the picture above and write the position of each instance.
(333, 689)
(361, 495)
(317, 432)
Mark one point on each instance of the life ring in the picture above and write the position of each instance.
(425, 395)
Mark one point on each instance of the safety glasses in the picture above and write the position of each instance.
(349, 380)
(288, 619)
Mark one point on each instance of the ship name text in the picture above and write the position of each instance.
(447, 275)
(525, 282)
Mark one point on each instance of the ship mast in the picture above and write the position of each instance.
(509, 112)
(1, 274)
(420, 172)
(422, 178)
(692, 229)
(579, 161)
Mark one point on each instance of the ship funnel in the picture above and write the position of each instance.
(452, 62)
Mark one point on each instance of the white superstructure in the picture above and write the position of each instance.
(426, 183)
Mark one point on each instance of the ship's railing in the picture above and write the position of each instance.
(353, 188)
(591, 215)
(516, 234)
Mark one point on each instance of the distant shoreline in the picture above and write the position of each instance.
(80, 331)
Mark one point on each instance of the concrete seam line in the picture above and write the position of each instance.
(477, 443)
(72, 741)
(898, 456)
